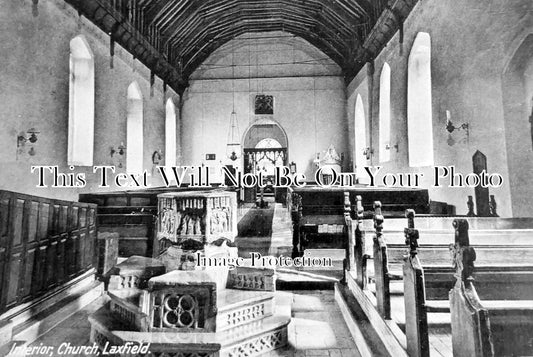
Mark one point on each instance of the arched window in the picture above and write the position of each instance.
(419, 113)
(268, 161)
(384, 114)
(170, 133)
(81, 104)
(268, 143)
(134, 130)
(360, 141)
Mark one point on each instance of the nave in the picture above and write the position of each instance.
(409, 122)
(394, 289)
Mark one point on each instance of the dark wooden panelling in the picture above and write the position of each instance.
(43, 243)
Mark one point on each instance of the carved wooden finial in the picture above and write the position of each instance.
(359, 207)
(470, 204)
(378, 218)
(347, 204)
(463, 254)
(296, 202)
(411, 234)
(461, 232)
(493, 206)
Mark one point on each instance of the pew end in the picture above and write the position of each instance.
(489, 328)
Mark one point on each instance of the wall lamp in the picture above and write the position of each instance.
(368, 152)
(388, 147)
(157, 156)
(121, 150)
(21, 139)
(450, 127)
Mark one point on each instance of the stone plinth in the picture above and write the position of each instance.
(134, 272)
(249, 278)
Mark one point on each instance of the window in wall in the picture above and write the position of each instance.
(170, 133)
(360, 141)
(384, 114)
(134, 130)
(419, 112)
(81, 104)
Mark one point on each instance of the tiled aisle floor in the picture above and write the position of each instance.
(317, 328)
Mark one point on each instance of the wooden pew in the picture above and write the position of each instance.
(356, 257)
(318, 212)
(427, 289)
(491, 235)
(481, 327)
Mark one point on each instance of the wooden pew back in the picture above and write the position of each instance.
(416, 326)
(488, 328)
(44, 243)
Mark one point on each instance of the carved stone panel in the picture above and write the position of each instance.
(203, 216)
(183, 300)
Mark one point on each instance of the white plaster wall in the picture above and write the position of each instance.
(471, 41)
(34, 51)
(308, 92)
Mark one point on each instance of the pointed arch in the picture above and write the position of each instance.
(81, 104)
(170, 133)
(134, 129)
(419, 109)
(360, 140)
(384, 114)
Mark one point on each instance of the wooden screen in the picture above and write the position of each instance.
(43, 243)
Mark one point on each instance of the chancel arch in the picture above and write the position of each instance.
(384, 114)
(419, 108)
(134, 129)
(517, 92)
(81, 104)
(361, 147)
(170, 133)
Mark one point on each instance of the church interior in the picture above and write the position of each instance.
(403, 130)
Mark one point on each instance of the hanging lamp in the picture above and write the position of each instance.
(233, 147)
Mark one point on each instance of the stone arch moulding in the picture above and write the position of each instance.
(264, 121)
(517, 105)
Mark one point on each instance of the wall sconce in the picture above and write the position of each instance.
(157, 156)
(388, 147)
(121, 150)
(367, 152)
(450, 127)
(292, 167)
(22, 138)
